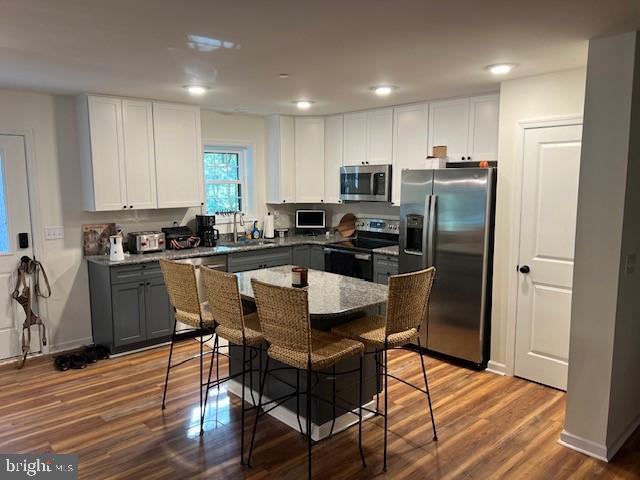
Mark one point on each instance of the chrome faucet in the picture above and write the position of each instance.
(235, 224)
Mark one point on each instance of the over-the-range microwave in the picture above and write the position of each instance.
(366, 183)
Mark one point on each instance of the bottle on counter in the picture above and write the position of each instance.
(255, 232)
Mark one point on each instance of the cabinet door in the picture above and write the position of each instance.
(309, 159)
(410, 145)
(139, 154)
(449, 125)
(355, 138)
(316, 257)
(107, 153)
(379, 136)
(281, 178)
(333, 134)
(179, 161)
(128, 313)
(483, 127)
(300, 255)
(158, 311)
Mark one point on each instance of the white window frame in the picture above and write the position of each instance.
(242, 173)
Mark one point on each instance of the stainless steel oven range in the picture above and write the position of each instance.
(354, 256)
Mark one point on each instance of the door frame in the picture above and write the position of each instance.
(516, 214)
(34, 212)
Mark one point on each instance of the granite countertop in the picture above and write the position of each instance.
(392, 250)
(329, 293)
(221, 249)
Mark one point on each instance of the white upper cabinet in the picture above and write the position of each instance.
(410, 145)
(179, 162)
(379, 136)
(281, 167)
(483, 127)
(309, 159)
(449, 125)
(139, 152)
(333, 135)
(355, 138)
(100, 135)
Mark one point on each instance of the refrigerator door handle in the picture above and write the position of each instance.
(425, 231)
(431, 231)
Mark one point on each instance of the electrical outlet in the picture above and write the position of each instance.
(53, 233)
(630, 264)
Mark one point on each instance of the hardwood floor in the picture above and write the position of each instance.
(109, 414)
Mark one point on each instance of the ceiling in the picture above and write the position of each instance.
(333, 50)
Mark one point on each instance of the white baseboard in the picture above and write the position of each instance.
(496, 367)
(66, 346)
(582, 445)
(623, 437)
(289, 418)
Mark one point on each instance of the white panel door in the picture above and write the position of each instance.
(14, 219)
(355, 138)
(379, 136)
(410, 145)
(287, 180)
(179, 160)
(547, 238)
(139, 154)
(309, 158)
(483, 127)
(449, 125)
(333, 131)
(107, 153)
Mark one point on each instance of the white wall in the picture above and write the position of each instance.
(540, 97)
(52, 123)
(603, 394)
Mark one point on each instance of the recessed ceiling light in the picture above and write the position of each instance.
(303, 104)
(383, 90)
(284, 75)
(500, 68)
(196, 89)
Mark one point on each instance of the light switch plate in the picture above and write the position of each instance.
(53, 233)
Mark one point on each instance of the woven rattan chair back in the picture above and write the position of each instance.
(180, 280)
(222, 292)
(408, 300)
(284, 316)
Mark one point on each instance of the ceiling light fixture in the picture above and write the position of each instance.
(196, 90)
(284, 75)
(303, 104)
(500, 68)
(383, 90)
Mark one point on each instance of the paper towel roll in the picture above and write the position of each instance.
(268, 228)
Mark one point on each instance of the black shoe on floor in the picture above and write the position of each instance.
(62, 362)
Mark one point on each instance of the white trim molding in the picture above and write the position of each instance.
(496, 368)
(582, 445)
(514, 244)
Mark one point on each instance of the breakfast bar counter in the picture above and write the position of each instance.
(333, 299)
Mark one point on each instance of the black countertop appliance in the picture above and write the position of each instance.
(205, 230)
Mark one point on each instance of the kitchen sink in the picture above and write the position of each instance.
(247, 243)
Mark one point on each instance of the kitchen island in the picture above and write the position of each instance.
(333, 299)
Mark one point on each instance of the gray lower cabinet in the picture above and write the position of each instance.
(310, 256)
(383, 267)
(256, 259)
(129, 306)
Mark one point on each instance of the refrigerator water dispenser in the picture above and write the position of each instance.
(414, 237)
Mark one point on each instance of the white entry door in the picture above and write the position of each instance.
(14, 219)
(547, 238)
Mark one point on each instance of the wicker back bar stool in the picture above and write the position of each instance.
(407, 307)
(283, 313)
(182, 287)
(232, 324)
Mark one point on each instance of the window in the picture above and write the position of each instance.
(224, 179)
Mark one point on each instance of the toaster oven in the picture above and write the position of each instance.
(143, 242)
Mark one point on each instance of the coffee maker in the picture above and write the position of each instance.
(206, 231)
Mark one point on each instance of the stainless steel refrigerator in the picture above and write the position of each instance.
(447, 220)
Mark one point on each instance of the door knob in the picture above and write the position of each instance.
(525, 269)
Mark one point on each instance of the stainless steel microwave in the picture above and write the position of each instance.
(366, 183)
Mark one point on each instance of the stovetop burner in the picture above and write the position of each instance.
(362, 243)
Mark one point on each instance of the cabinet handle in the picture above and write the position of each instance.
(130, 206)
(201, 203)
(142, 284)
(468, 158)
(124, 206)
(148, 283)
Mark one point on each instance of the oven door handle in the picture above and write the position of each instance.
(357, 255)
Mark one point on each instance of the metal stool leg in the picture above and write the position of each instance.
(426, 386)
(386, 394)
(298, 400)
(364, 463)
(200, 381)
(308, 415)
(244, 369)
(206, 392)
(333, 398)
(166, 379)
(377, 361)
(255, 424)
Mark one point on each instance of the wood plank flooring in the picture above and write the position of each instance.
(109, 414)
